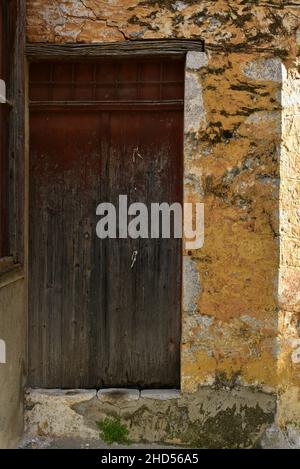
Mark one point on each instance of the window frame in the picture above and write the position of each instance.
(12, 155)
(4, 235)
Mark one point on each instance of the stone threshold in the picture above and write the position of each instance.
(109, 394)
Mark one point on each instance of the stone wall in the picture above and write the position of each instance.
(223, 24)
(241, 160)
(210, 418)
(230, 320)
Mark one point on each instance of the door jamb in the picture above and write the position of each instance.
(168, 48)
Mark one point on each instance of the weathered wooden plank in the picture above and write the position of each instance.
(113, 49)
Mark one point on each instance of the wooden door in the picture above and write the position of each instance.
(103, 312)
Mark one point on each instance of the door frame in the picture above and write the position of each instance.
(195, 61)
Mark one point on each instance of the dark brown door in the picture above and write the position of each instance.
(103, 312)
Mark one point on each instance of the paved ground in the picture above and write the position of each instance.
(74, 443)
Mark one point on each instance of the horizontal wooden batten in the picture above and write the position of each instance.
(106, 105)
(113, 49)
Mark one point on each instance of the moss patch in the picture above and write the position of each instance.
(228, 429)
(112, 430)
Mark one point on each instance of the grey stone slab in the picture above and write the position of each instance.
(63, 393)
(116, 394)
(160, 394)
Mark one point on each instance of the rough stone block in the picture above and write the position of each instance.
(196, 60)
(289, 288)
(194, 113)
(191, 285)
(271, 69)
(51, 412)
(289, 252)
